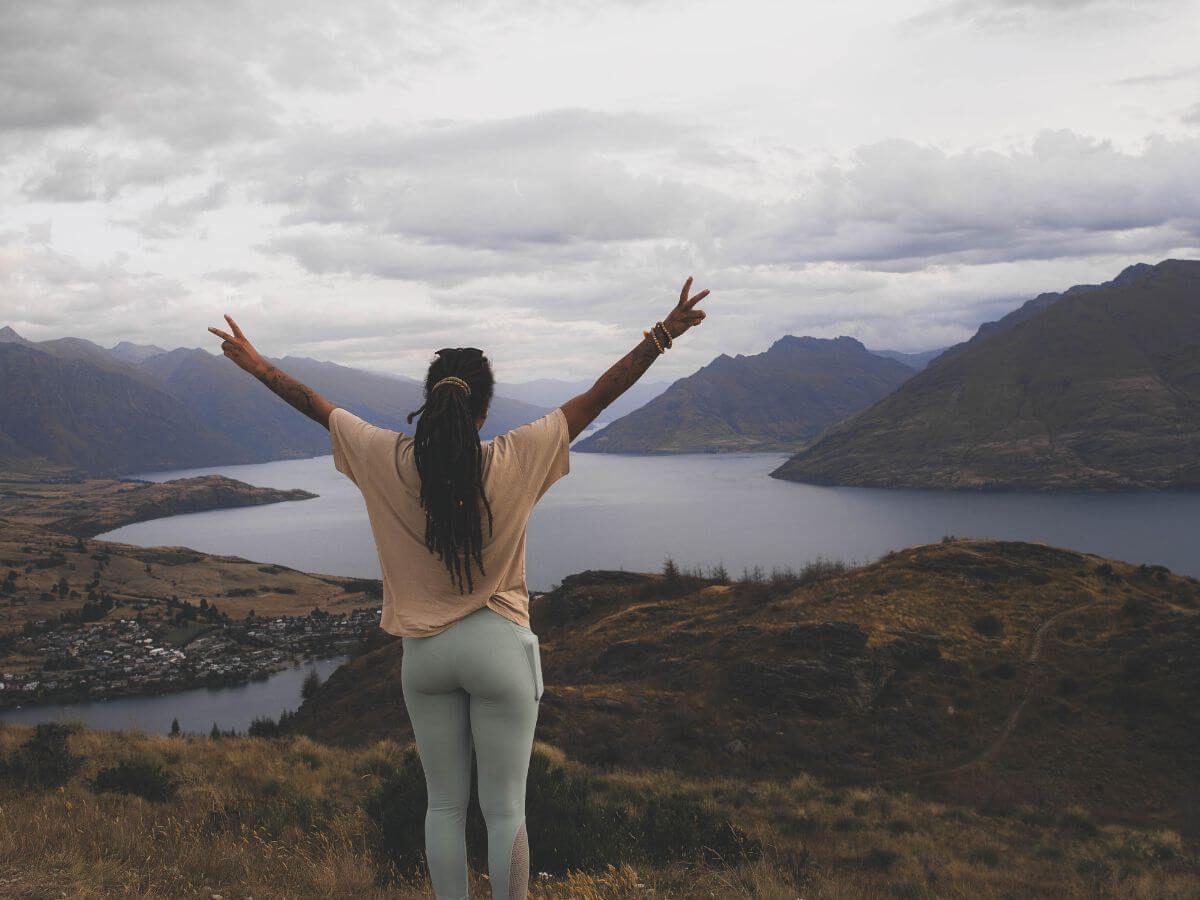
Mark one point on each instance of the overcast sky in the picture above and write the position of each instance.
(368, 182)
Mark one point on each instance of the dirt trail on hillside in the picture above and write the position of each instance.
(1031, 672)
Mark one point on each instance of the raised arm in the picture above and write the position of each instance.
(238, 348)
(582, 409)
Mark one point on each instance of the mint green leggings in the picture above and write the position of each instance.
(477, 682)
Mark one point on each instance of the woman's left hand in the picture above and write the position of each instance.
(238, 348)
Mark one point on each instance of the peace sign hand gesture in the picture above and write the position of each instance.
(238, 348)
(685, 315)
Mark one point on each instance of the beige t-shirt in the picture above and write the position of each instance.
(419, 598)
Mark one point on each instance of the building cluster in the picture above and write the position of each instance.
(133, 656)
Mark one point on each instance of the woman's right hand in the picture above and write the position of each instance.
(684, 315)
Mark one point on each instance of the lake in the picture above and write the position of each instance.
(196, 709)
(614, 511)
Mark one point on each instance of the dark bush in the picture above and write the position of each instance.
(678, 826)
(138, 776)
(988, 625)
(987, 856)
(45, 759)
(1137, 607)
(1079, 822)
(659, 829)
(879, 858)
(263, 726)
(1004, 670)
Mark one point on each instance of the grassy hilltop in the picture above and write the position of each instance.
(960, 719)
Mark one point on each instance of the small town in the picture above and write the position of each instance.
(137, 656)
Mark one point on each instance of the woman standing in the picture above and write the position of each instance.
(448, 513)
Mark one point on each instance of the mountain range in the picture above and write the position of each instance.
(1096, 388)
(776, 400)
(71, 405)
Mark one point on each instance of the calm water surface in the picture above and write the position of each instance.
(620, 511)
(230, 707)
(630, 512)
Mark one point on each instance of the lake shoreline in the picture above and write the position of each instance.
(83, 619)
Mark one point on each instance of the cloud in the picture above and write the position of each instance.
(80, 174)
(1168, 76)
(171, 218)
(40, 288)
(135, 66)
(454, 201)
(898, 205)
(1014, 15)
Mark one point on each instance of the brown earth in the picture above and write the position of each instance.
(45, 531)
(911, 665)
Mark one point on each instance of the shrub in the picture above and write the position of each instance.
(138, 776)
(797, 823)
(820, 569)
(310, 758)
(312, 683)
(879, 858)
(678, 826)
(987, 856)
(1137, 608)
(263, 726)
(988, 625)
(1078, 820)
(1005, 670)
(659, 828)
(45, 759)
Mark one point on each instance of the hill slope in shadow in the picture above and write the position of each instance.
(909, 667)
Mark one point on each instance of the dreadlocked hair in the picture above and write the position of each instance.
(449, 460)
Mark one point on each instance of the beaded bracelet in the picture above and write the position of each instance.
(666, 334)
(654, 337)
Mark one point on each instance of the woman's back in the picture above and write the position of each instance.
(419, 599)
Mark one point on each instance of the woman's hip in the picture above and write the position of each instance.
(483, 653)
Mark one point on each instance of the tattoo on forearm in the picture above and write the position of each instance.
(625, 371)
(295, 393)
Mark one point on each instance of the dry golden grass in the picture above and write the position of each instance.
(292, 825)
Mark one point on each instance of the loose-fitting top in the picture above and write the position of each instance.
(419, 598)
